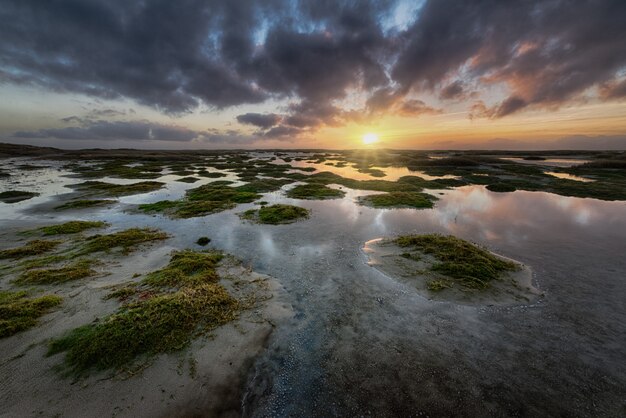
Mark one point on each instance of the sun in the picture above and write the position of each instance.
(370, 138)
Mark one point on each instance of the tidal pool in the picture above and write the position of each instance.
(361, 343)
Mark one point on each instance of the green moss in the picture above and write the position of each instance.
(33, 247)
(119, 168)
(19, 312)
(85, 203)
(263, 186)
(204, 200)
(185, 301)
(77, 270)
(72, 227)
(110, 189)
(126, 240)
(211, 174)
(467, 264)
(438, 285)
(314, 191)
(188, 179)
(123, 293)
(374, 172)
(399, 199)
(186, 268)
(501, 187)
(276, 214)
(14, 196)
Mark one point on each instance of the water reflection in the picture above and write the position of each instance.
(550, 162)
(348, 171)
(567, 176)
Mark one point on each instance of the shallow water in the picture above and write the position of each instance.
(361, 343)
(567, 176)
(550, 162)
(391, 173)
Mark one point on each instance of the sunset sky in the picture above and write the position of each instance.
(443, 74)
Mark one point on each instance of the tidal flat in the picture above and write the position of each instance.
(299, 283)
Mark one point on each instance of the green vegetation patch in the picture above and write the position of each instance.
(72, 227)
(126, 240)
(314, 191)
(119, 168)
(77, 270)
(399, 199)
(276, 214)
(111, 189)
(187, 268)
(34, 247)
(84, 203)
(18, 312)
(467, 264)
(204, 200)
(184, 301)
(188, 179)
(501, 187)
(14, 196)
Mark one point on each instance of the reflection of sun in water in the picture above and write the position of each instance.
(370, 138)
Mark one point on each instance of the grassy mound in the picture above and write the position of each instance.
(467, 264)
(84, 203)
(183, 300)
(276, 214)
(71, 227)
(14, 196)
(188, 179)
(34, 247)
(314, 191)
(399, 199)
(110, 189)
(204, 200)
(126, 240)
(74, 271)
(19, 312)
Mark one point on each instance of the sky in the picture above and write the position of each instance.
(429, 74)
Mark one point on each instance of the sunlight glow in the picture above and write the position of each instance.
(370, 138)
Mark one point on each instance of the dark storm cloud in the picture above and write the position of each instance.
(105, 130)
(175, 56)
(547, 52)
(453, 91)
(260, 120)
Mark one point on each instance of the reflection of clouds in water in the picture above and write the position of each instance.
(267, 245)
(461, 204)
(474, 211)
(379, 221)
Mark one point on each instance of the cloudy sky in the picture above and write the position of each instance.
(313, 73)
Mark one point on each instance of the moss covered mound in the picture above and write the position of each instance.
(18, 312)
(276, 214)
(77, 270)
(399, 199)
(187, 268)
(204, 200)
(179, 302)
(84, 203)
(14, 196)
(111, 189)
(464, 262)
(34, 247)
(314, 191)
(72, 227)
(126, 240)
